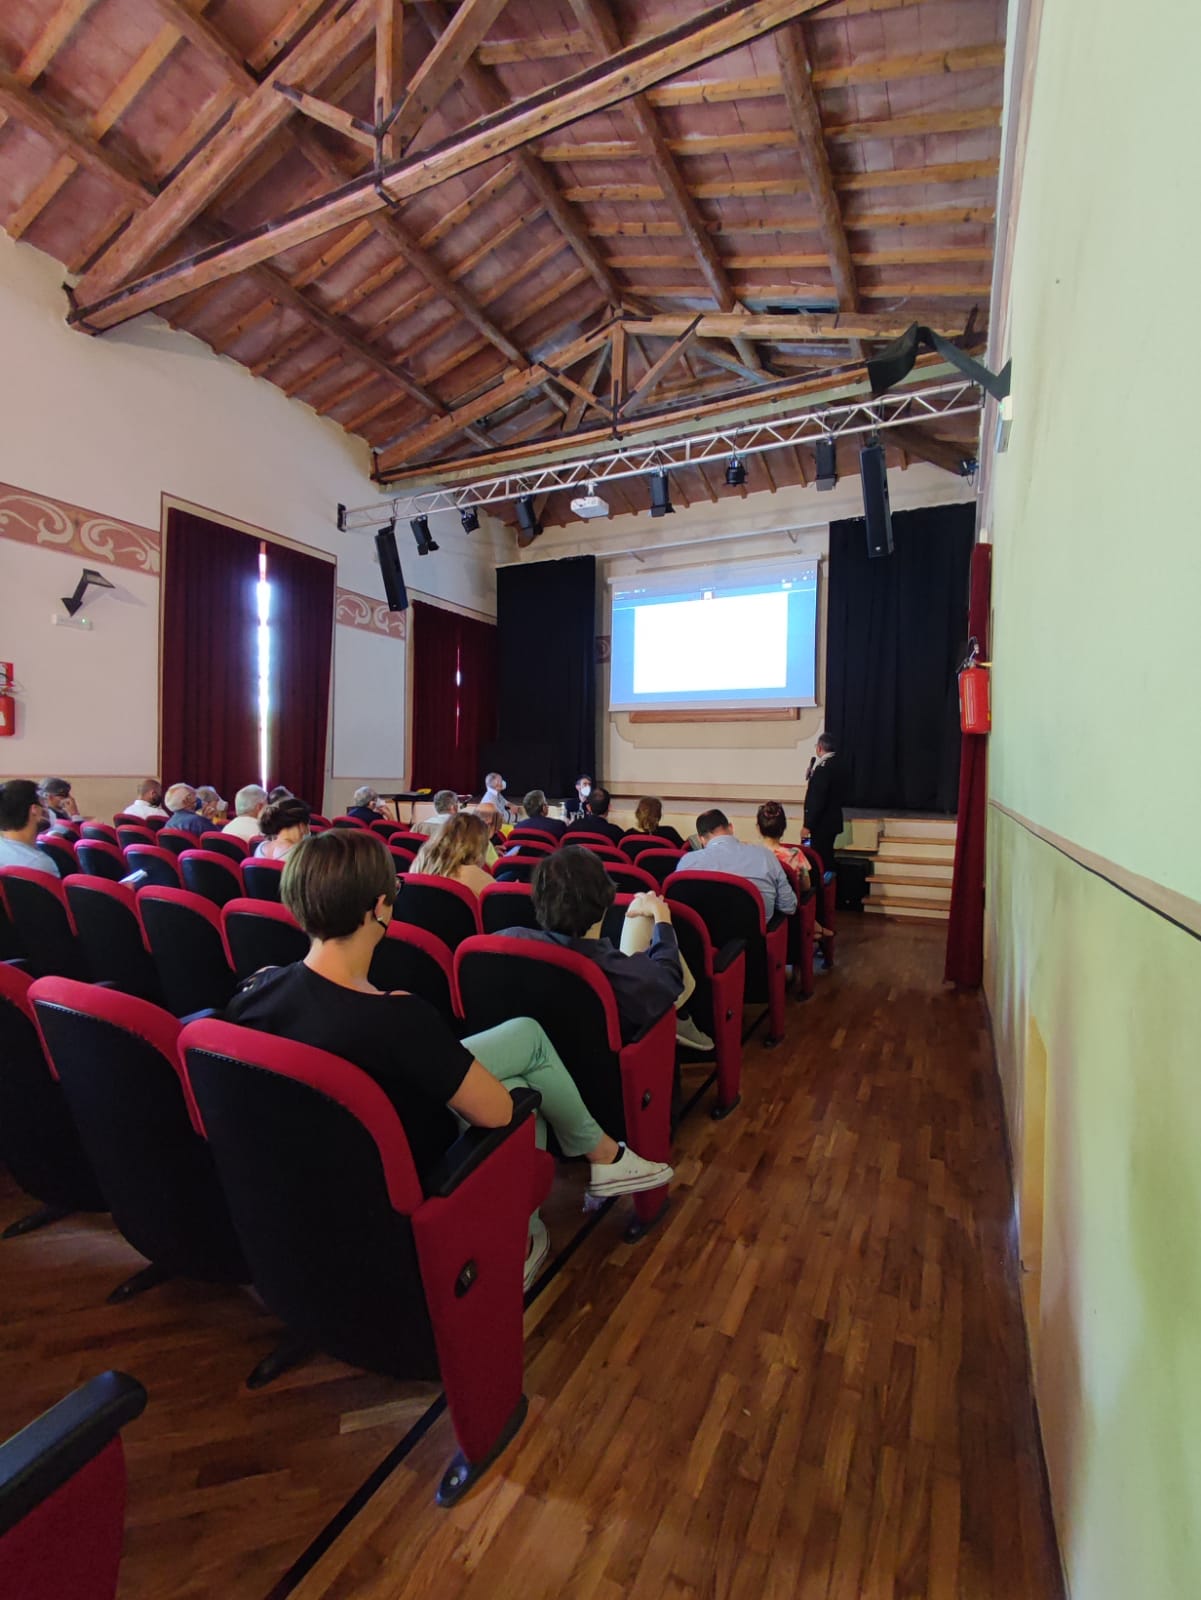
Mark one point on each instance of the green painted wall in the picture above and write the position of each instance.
(1096, 1001)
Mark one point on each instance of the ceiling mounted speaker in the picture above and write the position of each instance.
(827, 464)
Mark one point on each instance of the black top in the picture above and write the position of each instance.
(587, 823)
(363, 814)
(397, 1039)
(823, 802)
(552, 825)
(190, 822)
(669, 833)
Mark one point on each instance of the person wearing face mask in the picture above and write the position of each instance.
(494, 795)
(583, 790)
(340, 886)
(149, 802)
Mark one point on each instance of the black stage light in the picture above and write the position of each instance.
(527, 520)
(470, 518)
(735, 472)
(661, 505)
(421, 533)
(827, 464)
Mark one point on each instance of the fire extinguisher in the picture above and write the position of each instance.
(975, 704)
(8, 705)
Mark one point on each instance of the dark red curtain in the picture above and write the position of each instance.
(302, 633)
(965, 930)
(454, 697)
(208, 706)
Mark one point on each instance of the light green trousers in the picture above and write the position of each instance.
(521, 1056)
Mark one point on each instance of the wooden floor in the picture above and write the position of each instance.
(810, 1381)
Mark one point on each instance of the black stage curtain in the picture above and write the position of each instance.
(546, 626)
(897, 631)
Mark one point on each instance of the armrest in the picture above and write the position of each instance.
(638, 1037)
(474, 1147)
(779, 918)
(53, 1448)
(728, 954)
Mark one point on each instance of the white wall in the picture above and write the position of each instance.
(113, 423)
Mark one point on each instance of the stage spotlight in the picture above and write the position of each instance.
(470, 518)
(661, 505)
(527, 520)
(421, 533)
(827, 464)
(735, 472)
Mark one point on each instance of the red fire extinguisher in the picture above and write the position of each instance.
(975, 705)
(8, 705)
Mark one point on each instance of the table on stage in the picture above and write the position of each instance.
(411, 797)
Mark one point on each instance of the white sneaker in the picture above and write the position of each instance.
(687, 1033)
(629, 1174)
(539, 1249)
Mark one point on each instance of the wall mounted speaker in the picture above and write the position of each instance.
(874, 474)
(389, 565)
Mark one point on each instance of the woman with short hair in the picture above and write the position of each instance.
(284, 825)
(458, 851)
(340, 886)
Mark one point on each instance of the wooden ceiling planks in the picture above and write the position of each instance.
(689, 201)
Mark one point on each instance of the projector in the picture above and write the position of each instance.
(590, 505)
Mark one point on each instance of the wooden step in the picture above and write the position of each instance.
(917, 910)
(885, 893)
(904, 880)
(942, 855)
(887, 869)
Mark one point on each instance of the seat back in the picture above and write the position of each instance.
(37, 908)
(317, 822)
(385, 828)
(118, 1061)
(160, 866)
(100, 859)
(134, 833)
(412, 958)
(111, 936)
(604, 848)
(259, 934)
(827, 893)
(324, 1215)
(731, 908)
(402, 860)
(582, 836)
(99, 830)
(225, 844)
(630, 879)
(523, 836)
(350, 822)
(659, 863)
(176, 839)
(38, 1139)
(211, 875)
(516, 869)
(521, 844)
(127, 819)
(507, 905)
(499, 978)
(260, 878)
(62, 1495)
(184, 934)
(403, 839)
(442, 907)
(61, 850)
(635, 843)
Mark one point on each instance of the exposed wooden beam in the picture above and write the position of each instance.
(201, 34)
(920, 217)
(389, 25)
(618, 367)
(660, 368)
(579, 407)
(51, 40)
(762, 188)
(252, 121)
(330, 115)
(726, 26)
(885, 69)
(438, 73)
(34, 113)
(917, 441)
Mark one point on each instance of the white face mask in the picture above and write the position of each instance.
(585, 790)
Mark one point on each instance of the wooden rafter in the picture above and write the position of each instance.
(51, 39)
(920, 442)
(437, 74)
(19, 102)
(201, 34)
(761, 188)
(731, 24)
(659, 369)
(330, 116)
(389, 26)
(579, 407)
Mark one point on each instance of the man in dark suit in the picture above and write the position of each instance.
(595, 818)
(538, 818)
(823, 800)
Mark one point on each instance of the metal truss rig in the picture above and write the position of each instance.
(905, 406)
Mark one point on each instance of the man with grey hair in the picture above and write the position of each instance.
(182, 804)
(446, 804)
(494, 795)
(366, 806)
(538, 818)
(249, 803)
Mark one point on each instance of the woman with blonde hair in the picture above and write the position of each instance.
(457, 851)
(648, 819)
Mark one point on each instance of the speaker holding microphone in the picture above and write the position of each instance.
(874, 474)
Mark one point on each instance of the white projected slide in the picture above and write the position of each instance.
(736, 642)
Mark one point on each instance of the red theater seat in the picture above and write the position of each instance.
(260, 877)
(225, 844)
(579, 836)
(111, 936)
(635, 843)
(627, 1087)
(160, 866)
(344, 1245)
(176, 839)
(827, 900)
(716, 1002)
(213, 876)
(447, 909)
(99, 830)
(100, 859)
(261, 934)
(732, 909)
(385, 829)
(350, 822)
(604, 848)
(630, 879)
(517, 868)
(134, 833)
(507, 905)
(60, 847)
(190, 956)
(520, 844)
(660, 864)
(411, 958)
(37, 907)
(522, 836)
(62, 1495)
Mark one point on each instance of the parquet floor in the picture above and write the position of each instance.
(809, 1382)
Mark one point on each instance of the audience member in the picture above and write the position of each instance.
(490, 817)
(648, 819)
(574, 805)
(595, 818)
(249, 804)
(279, 793)
(771, 821)
(213, 809)
(446, 804)
(149, 802)
(823, 800)
(537, 816)
(494, 795)
(457, 851)
(721, 852)
(183, 805)
(22, 816)
(340, 886)
(58, 800)
(571, 892)
(366, 806)
(283, 825)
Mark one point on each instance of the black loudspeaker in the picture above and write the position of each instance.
(827, 464)
(661, 505)
(389, 565)
(874, 474)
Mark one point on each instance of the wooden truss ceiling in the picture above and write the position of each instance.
(455, 230)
